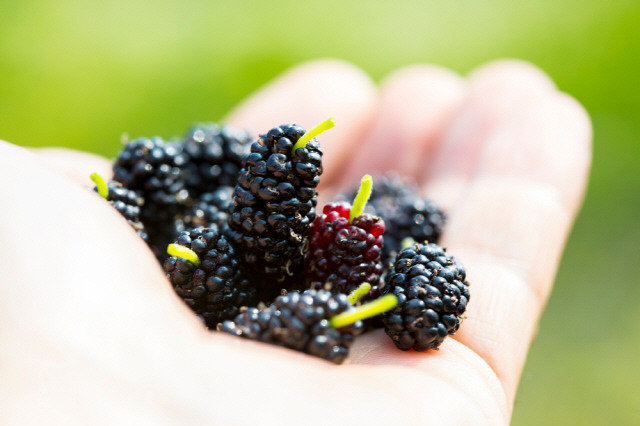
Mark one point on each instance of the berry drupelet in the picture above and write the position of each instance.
(125, 201)
(344, 247)
(204, 271)
(432, 296)
(215, 156)
(315, 322)
(274, 204)
(156, 170)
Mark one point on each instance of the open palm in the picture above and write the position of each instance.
(91, 331)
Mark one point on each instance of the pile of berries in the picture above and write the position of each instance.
(233, 221)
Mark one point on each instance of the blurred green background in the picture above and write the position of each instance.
(79, 74)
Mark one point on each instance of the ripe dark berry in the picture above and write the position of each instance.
(274, 205)
(125, 201)
(343, 255)
(416, 218)
(300, 321)
(211, 209)
(154, 167)
(215, 156)
(156, 170)
(214, 286)
(432, 296)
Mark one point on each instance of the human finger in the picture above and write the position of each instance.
(510, 227)
(67, 253)
(76, 165)
(415, 105)
(494, 90)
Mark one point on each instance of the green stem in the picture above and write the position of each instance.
(407, 242)
(362, 197)
(103, 189)
(184, 252)
(359, 293)
(368, 310)
(322, 127)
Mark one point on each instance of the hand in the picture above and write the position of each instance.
(91, 329)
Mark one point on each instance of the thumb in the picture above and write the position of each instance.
(70, 263)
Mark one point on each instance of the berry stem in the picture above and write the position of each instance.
(362, 197)
(407, 242)
(322, 127)
(103, 189)
(368, 310)
(359, 293)
(184, 252)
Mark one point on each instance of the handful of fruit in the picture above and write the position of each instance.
(250, 256)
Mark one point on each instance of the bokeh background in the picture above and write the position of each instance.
(79, 74)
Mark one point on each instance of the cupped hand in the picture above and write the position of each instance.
(91, 331)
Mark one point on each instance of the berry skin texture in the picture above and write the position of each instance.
(212, 209)
(343, 255)
(274, 205)
(156, 170)
(214, 156)
(154, 167)
(432, 296)
(128, 203)
(300, 321)
(416, 218)
(215, 290)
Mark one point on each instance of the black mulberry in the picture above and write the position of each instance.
(274, 204)
(211, 209)
(127, 202)
(212, 284)
(432, 296)
(300, 321)
(156, 170)
(416, 218)
(214, 157)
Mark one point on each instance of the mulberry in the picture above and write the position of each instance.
(315, 322)
(214, 157)
(125, 201)
(205, 273)
(406, 213)
(156, 170)
(274, 204)
(211, 209)
(345, 247)
(432, 297)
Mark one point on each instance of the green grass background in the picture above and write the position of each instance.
(79, 74)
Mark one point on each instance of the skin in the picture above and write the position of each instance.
(91, 330)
